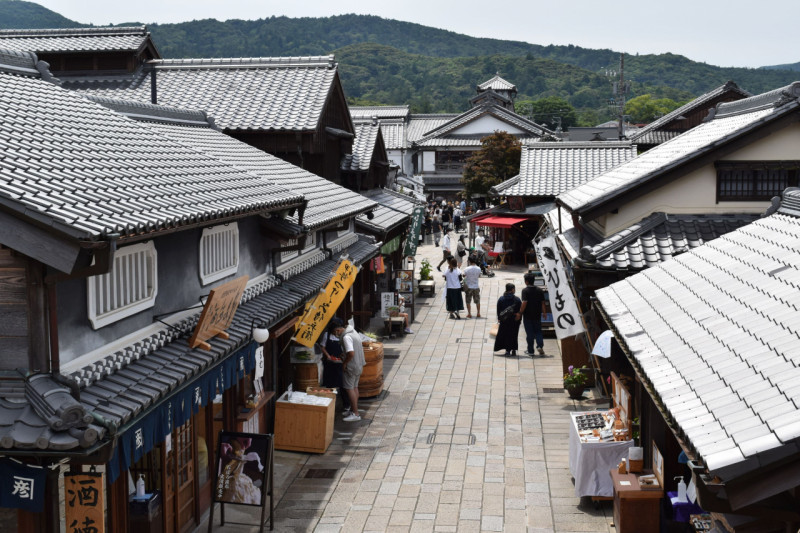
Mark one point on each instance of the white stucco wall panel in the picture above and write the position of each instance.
(486, 125)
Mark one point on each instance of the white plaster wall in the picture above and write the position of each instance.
(696, 192)
(428, 158)
(487, 125)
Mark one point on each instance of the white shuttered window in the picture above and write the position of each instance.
(130, 287)
(219, 252)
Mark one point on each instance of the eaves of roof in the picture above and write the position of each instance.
(653, 179)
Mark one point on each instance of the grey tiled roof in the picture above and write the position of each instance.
(652, 134)
(117, 39)
(393, 209)
(267, 94)
(657, 238)
(732, 120)
(380, 111)
(497, 84)
(363, 148)
(87, 171)
(440, 135)
(394, 134)
(715, 332)
(421, 124)
(548, 169)
(327, 201)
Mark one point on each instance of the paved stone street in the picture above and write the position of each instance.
(462, 439)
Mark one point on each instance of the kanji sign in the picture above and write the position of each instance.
(566, 316)
(326, 303)
(84, 502)
(218, 312)
(413, 235)
(22, 486)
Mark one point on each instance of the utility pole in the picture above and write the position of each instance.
(621, 89)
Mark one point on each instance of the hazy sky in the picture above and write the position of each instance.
(730, 33)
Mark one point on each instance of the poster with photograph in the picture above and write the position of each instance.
(242, 468)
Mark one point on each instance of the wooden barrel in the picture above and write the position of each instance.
(371, 382)
(305, 375)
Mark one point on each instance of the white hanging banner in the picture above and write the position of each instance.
(259, 362)
(566, 315)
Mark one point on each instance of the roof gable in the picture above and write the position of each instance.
(729, 122)
(497, 84)
(368, 139)
(523, 125)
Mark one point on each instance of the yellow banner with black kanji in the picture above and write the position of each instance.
(323, 307)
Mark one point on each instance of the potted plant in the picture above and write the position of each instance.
(575, 382)
(425, 270)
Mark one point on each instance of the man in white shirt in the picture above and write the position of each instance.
(353, 362)
(472, 291)
(446, 250)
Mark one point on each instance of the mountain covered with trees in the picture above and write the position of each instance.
(386, 61)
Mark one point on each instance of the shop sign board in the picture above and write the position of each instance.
(566, 315)
(324, 306)
(412, 239)
(22, 486)
(84, 501)
(217, 315)
(387, 301)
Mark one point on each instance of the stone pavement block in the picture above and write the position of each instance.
(492, 523)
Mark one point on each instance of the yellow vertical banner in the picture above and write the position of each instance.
(84, 501)
(323, 307)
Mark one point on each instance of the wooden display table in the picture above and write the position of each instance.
(302, 427)
(635, 509)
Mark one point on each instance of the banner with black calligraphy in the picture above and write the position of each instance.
(566, 315)
(84, 501)
(324, 306)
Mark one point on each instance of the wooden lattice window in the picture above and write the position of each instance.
(754, 180)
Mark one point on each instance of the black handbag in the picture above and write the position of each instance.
(506, 314)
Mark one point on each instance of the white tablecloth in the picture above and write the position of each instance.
(590, 462)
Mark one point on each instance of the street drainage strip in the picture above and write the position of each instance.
(470, 339)
(469, 440)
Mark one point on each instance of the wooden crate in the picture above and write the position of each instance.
(325, 392)
(303, 428)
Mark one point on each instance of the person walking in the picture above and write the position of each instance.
(472, 274)
(447, 250)
(447, 218)
(452, 277)
(332, 368)
(353, 363)
(457, 218)
(508, 316)
(461, 250)
(531, 311)
(436, 227)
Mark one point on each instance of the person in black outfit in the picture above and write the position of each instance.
(332, 354)
(531, 310)
(509, 321)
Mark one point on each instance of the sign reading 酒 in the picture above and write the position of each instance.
(218, 312)
(566, 315)
(413, 235)
(326, 303)
(84, 501)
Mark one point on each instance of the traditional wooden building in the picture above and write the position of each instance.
(712, 336)
(110, 239)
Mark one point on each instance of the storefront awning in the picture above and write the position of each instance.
(498, 222)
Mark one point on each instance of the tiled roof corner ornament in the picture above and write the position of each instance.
(587, 255)
(774, 205)
(211, 121)
(790, 94)
(53, 401)
(711, 114)
(44, 69)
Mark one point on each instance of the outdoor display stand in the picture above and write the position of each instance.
(303, 427)
(598, 441)
(637, 506)
(244, 475)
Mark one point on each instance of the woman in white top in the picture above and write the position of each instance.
(453, 298)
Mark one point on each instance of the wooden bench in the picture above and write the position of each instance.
(427, 285)
(394, 321)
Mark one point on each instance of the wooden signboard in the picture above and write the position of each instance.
(324, 306)
(218, 312)
(516, 203)
(621, 397)
(85, 510)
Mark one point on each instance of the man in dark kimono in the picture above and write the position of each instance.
(509, 317)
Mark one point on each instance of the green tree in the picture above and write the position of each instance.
(494, 163)
(552, 111)
(645, 108)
